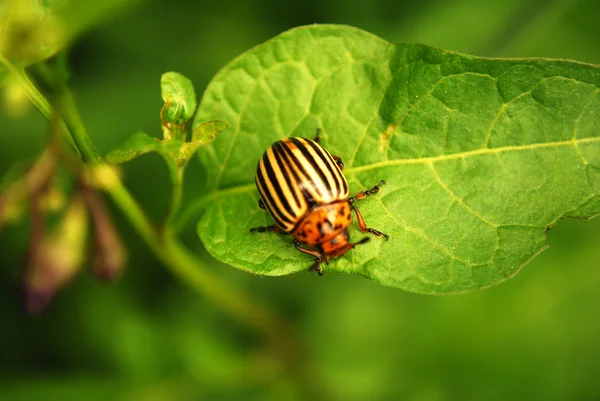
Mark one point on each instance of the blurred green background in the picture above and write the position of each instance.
(150, 337)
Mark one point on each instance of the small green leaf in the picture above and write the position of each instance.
(133, 146)
(207, 132)
(180, 99)
(203, 135)
(480, 155)
(140, 143)
(174, 151)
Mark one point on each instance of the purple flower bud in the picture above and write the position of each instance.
(109, 252)
(55, 258)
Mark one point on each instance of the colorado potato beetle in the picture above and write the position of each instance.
(303, 188)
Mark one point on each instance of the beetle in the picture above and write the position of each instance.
(303, 188)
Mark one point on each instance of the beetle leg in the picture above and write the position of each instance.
(273, 228)
(317, 267)
(361, 222)
(364, 194)
(318, 257)
(338, 161)
(362, 241)
(363, 226)
(261, 204)
(318, 136)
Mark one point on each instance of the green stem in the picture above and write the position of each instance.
(36, 97)
(188, 268)
(167, 248)
(75, 127)
(176, 173)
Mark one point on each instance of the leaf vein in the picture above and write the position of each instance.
(425, 96)
(471, 153)
(366, 130)
(420, 233)
(241, 113)
(511, 175)
(452, 195)
(583, 110)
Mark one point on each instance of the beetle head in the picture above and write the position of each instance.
(339, 245)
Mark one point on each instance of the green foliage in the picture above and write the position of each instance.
(35, 30)
(180, 99)
(205, 133)
(180, 103)
(151, 337)
(480, 155)
(140, 143)
(175, 152)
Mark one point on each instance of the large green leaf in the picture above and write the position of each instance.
(480, 155)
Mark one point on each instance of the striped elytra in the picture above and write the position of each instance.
(303, 188)
(296, 174)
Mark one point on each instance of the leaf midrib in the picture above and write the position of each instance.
(198, 205)
(463, 155)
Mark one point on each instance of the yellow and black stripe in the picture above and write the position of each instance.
(293, 176)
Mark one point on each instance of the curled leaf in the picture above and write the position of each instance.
(178, 94)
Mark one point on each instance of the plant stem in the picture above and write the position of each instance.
(187, 267)
(75, 127)
(36, 97)
(176, 173)
(180, 261)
